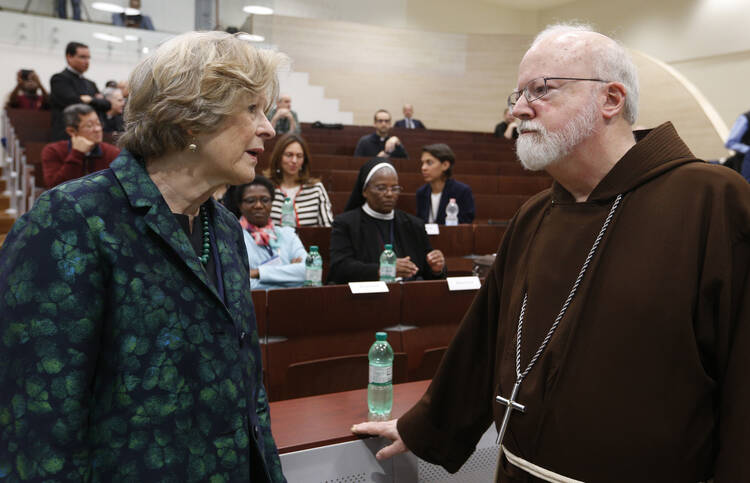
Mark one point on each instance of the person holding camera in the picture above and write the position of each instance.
(29, 92)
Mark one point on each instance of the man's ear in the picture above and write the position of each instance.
(614, 102)
(71, 131)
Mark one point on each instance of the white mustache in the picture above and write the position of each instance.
(531, 126)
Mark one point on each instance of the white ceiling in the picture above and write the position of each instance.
(529, 4)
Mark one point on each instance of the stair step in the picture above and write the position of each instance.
(4, 202)
(5, 223)
(3, 184)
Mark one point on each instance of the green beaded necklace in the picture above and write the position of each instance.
(206, 237)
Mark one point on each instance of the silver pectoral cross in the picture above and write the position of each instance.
(510, 404)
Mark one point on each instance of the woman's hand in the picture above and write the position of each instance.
(386, 429)
(436, 261)
(254, 273)
(405, 268)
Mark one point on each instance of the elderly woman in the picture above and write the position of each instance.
(440, 187)
(275, 253)
(359, 235)
(130, 350)
(290, 172)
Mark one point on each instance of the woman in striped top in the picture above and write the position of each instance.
(290, 173)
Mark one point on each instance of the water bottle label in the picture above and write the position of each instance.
(314, 275)
(381, 374)
(387, 271)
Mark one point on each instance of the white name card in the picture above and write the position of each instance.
(432, 228)
(463, 283)
(368, 287)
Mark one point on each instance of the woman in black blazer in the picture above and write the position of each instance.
(437, 167)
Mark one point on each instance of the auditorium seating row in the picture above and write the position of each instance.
(343, 180)
(456, 242)
(315, 340)
(326, 162)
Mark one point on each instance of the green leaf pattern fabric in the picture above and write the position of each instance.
(120, 362)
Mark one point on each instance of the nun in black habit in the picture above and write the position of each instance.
(371, 221)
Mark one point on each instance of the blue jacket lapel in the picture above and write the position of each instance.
(233, 259)
(143, 193)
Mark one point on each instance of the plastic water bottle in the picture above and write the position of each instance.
(287, 213)
(313, 268)
(451, 213)
(388, 264)
(380, 387)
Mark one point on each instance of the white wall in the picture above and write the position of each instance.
(38, 43)
(467, 16)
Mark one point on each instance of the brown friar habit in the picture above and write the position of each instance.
(647, 378)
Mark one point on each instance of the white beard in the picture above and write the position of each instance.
(542, 148)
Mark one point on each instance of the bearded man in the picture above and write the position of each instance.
(611, 339)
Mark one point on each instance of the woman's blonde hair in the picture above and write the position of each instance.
(193, 82)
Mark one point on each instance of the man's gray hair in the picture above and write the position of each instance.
(72, 114)
(108, 91)
(611, 62)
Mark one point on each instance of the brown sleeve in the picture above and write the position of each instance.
(726, 292)
(446, 424)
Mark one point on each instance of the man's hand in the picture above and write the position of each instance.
(81, 144)
(391, 144)
(405, 268)
(296, 260)
(436, 261)
(385, 429)
(254, 273)
(86, 99)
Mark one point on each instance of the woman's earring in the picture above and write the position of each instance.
(192, 146)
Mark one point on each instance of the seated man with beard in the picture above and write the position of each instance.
(610, 340)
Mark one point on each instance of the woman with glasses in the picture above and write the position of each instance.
(275, 253)
(360, 234)
(290, 173)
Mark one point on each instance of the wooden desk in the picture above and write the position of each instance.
(316, 446)
(315, 421)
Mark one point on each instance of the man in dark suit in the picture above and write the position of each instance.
(70, 87)
(380, 143)
(408, 122)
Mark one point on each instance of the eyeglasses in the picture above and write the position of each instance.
(251, 201)
(90, 126)
(537, 88)
(382, 189)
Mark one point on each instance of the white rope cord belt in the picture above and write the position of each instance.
(535, 470)
(544, 474)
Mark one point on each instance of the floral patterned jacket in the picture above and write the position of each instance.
(119, 360)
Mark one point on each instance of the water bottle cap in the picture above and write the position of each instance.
(313, 248)
(381, 336)
(287, 199)
(388, 246)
